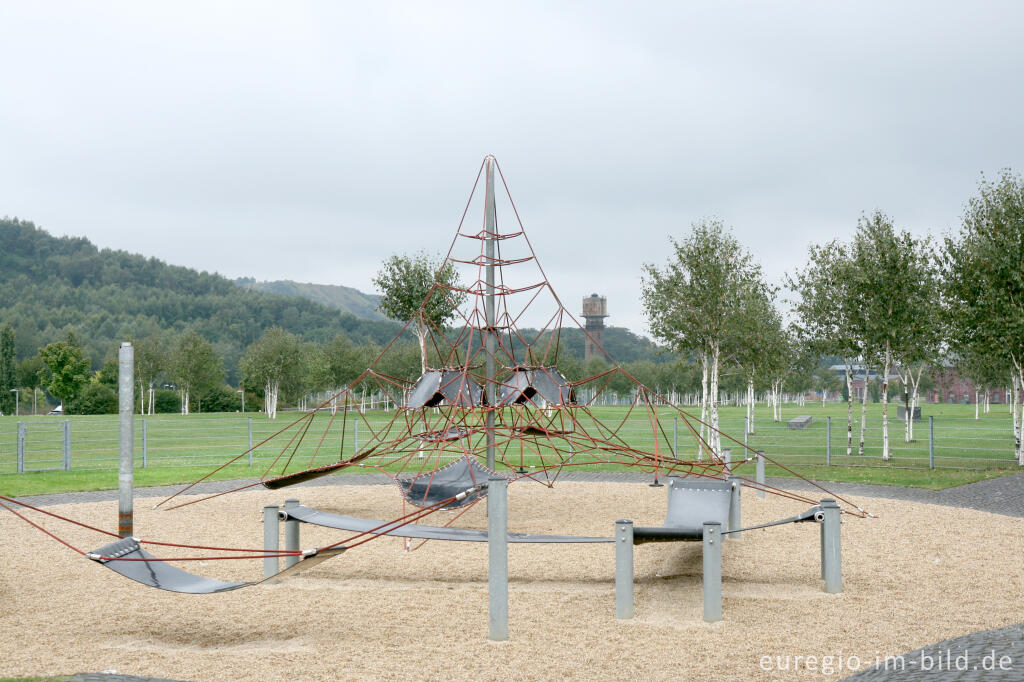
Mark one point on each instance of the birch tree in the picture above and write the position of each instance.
(274, 362)
(695, 305)
(983, 279)
(887, 269)
(419, 289)
(151, 361)
(195, 368)
(826, 310)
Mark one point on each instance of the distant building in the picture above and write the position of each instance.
(595, 309)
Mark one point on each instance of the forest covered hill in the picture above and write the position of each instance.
(345, 299)
(49, 285)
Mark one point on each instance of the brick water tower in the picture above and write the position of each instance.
(595, 309)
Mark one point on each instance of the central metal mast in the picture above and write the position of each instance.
(490, 227)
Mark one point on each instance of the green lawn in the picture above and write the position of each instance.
(181, 449)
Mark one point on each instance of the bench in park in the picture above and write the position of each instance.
(801, 422)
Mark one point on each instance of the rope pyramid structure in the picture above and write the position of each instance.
(493, 400)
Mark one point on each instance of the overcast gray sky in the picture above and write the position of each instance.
(309, 141)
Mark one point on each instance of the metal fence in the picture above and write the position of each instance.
(85, 443)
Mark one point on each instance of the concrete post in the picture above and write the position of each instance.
(250, 441)
(624, 569)
(760, 473)
(828, 441)
(734, 507)
(712, 550)
(271, 539)
(145, 445)
(126, 440)
(291, 534)
(931, 441)
(497, 557)
(21, 447)
(831, 555)
(66, 446)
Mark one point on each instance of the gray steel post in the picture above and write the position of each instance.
(291, 534)
(734, 507)
(250, 441)
(490, 227)
(355, 434)
(712, 550)
(828, 441)
(21, 447)
(727, 458)
(931, 441)
(746, 429)
(624, 569)
(760, 473)
(126, 461)
(831, 554)
(145, 445)
(675, 437)
(66, 446)
(271, 539)
(497, 557)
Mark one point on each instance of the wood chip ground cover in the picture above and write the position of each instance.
(916, 575)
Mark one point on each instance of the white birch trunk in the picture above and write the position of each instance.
(863, 411)
(1015, 383)
(885, 401)
(716, 437)
(421, 335)
(184, 401)
(849, 408)
(976, 404)
(703, 405)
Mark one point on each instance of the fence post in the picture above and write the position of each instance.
(291, 534)
(760, 474)
(712, 546)
(250, 441)
(828, 441)
(355, 434)
(931, 441)
(623, 569)
(271, 539)
(746, 429)
(21, 447)
(675, 437)
(66, 449)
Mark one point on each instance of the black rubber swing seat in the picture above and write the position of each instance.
(159, 574)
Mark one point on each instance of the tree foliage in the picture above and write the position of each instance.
(67, 368)
(195, 368)
(8, 369)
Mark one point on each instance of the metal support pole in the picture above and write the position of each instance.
(931, 441)
(355, 434)
(145, 445)
(712, 550)
(828, 441)
(21, 447)
(490, 227)
(734, 507)
(271, 539)
(624, 569)
(675, 437)
(760, 473)
(831, 554)
(250, 441)
(727, 458)
(126, 441)
(497, 557)
(746, 429)
(291, 534)
(66, 446)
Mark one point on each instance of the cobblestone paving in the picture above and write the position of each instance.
(994, 655)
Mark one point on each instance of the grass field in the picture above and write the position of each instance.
(181, 449)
